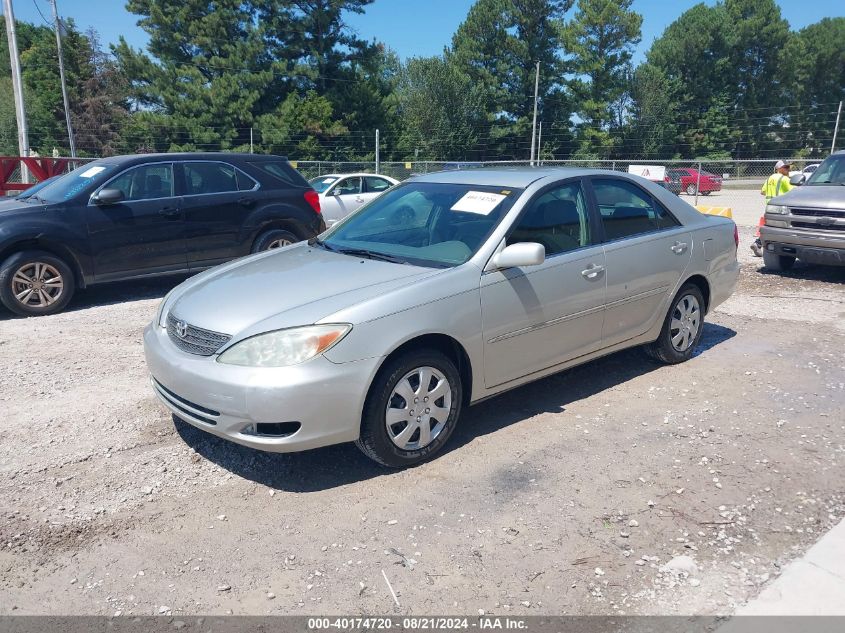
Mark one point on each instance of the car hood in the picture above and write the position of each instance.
(12, 205)
(813, 196)
(298, 285)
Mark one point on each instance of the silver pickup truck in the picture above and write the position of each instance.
(808, 223)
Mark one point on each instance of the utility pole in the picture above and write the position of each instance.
(58, 24)
(251, 148)
(378, 160)
(836, 128)
(539, 142)
(534, 125)
(17, 86)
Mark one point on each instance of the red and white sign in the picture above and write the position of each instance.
(650, 172)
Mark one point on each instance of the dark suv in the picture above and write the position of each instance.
(136, 216)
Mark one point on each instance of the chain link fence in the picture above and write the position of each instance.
(735, 184)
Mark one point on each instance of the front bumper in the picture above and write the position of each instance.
(813, 247)
(325, 398)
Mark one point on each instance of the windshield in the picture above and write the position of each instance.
(23, 195)
(322, 183)
(89, 176)
(428, 224)
(830, 172)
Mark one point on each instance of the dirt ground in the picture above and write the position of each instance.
(573, 495)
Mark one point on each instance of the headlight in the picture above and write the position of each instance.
(160, 312)
(284, 347)
(777, 209)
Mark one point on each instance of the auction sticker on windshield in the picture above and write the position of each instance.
(478, 202)
(93, 171)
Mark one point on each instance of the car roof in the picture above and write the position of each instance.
(517, 177)
(191, 156)
(353, 175)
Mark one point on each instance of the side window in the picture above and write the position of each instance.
(627, 210)
(558, 220)
(348, 186)
(376, 185)
(245, 183)
(201, 178)
(145, 182)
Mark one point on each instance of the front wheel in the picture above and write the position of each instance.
(690, 190)
(412, 409)
(35, 283)
(778, 263)
(681, 329)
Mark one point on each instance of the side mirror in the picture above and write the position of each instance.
(521, 254)
(108, 196)
(797, 180)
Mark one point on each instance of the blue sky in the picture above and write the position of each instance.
(410, 27)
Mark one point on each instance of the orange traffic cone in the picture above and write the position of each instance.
(759, 224)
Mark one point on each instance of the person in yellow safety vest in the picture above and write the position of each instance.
(775, 185)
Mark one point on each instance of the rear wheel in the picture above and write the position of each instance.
(35, 283)
(682, 327)
(274, 238)
(690, 190)
(776, 262)
(412, 409)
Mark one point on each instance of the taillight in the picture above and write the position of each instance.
(736, 237)
(312, 198)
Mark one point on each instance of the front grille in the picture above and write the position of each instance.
(818, 213)
(194, 340)
(819, 227)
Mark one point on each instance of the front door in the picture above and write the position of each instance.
(540, 316)
(145, 232)
(342, 199)
(647, 251)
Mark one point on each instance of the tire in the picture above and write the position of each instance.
(274, 238)
(664, 349)
(690, 190)
(36, 268)
(706, 193)
(778, 263)
(404, 373)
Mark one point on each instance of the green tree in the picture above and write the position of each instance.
(651, 131)
(497, 47)
(601, 39)
(442, 110)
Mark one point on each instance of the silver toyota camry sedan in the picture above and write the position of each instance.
(447, 289)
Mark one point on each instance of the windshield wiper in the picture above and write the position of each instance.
(363, 252)
(316, 241)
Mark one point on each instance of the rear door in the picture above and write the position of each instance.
(540, 316)
(217, 199)
(647, 250)
(143, 234)
(374, 186)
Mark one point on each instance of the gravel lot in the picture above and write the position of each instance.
(568, 496)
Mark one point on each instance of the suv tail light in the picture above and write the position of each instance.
(313, 199)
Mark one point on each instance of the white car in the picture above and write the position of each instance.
(341, 194)
(808, 171)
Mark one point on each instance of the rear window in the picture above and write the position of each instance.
(281, 170)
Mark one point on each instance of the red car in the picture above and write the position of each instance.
(689, 177)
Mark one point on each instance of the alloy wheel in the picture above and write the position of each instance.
(37, 285)
(686, 321)
(279, 243)
(418, 408)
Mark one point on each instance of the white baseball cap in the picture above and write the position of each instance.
(782, 163)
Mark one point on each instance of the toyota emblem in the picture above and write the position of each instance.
(181, 329)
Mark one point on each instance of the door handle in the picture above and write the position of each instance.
(169, 212)
(592, 271)
(679, 247)
(246, 202)
(359, 199)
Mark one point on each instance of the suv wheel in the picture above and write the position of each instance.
(412, 409)
(35, 283)
(777, 263)
(275, 238)
(682, 327)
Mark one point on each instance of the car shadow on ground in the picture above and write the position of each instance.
(808, 272)
(114, 293)
(339, 465)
